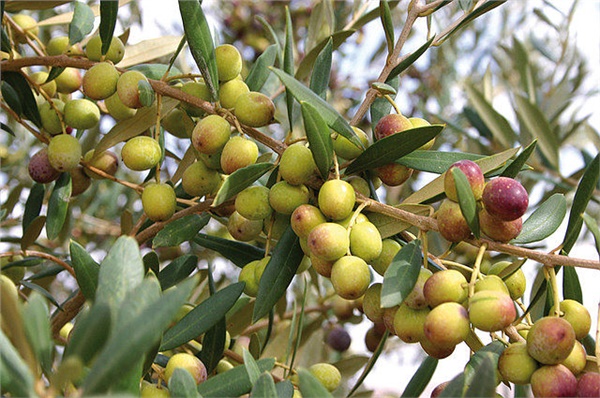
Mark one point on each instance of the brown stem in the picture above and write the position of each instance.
(288, 315)
(69, 310)
(34, 253)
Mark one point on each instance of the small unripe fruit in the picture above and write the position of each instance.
(409, 322)
(419, 122)
(229, 62)
(328, 241)
(516, 365)
(491, 310)
(321, 267)
(550, 340)
(115, 53)
(243, 229)
(474, 177)
(553, 381)
(39, 168)
(100, 81)
(80, 181)
(327, 374)
(253, 203)
(339, 339)
(189, 363)
(436, 350)
(254, 109)
(178, 123)
(498, 230)
(40, 78)
(159, 201)
(81, 114)
(199, 90)
(107, 161)
(576, 360)
(391, 124)
(445, 286)
(60, 45)
(128, 90)
(117, 109)
(360, 218)
(505, 198)
(346, 149)
(141, 153)
(393, 174)
(365, 241)
(451, 222)
(447, 324)
(230, 91)
(416, 298)
(350, 277)
(516, 282)
(64, 152)
(360, 185)
(304, 218)
(372, 303)
(577, 315)
(28, 24)
(491, 282)
(248, 275)
(211, 134)
(389, 249)
(589, 385)
(68, 81)
(237, 153)
(285, 198)
(149, 390)
(198, 180)
(336, 199)
(296, 165)
(49, 116)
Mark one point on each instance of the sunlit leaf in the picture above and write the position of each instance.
(240, 180)
(319, 138)
(401, 276)
(82, 23)
(381, 106)
(434, 161)
(497, 123)
(58, 205)
(421, 378)
(150, 50)
(479, 11)
(491, 351)
(238, 253)
(515, 167)
(86, 270)
(182, 230)
(234, 382)
(466, 200)
(251, 366)
(544, 221)
(284, 389)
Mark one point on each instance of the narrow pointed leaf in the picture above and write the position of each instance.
(201, 42)
(370, 364)
(310, 386)
(319, 138)
(497, 123)
(307, 63)
(36, 320)
(572, 285)
(491, 351)
(411, 59)
(82, 23)
(304, 94)
(238, 253)
(319, 79)
(401, 276)
(515, 167)
(90, 333)
(240, 180)
(16, 376)
(456, 387)
(179, 231)
(484, 378)
(544, 221)
(234, 382)
(288, 64)
(108, 21)
(435, 161)
(388, 26)
(278, 274)
(33, 204)
(479, 11)
(177, 271)
(41, 290)
(259, 73)
(58, 205)
(466, 200)
(182, 384)
(86, 270)
(25, 95)
(393, 147)
(537, 123)
(421, 378)
(213, 344)
(251, 366)
(203, 317)
(592, 226)
(12, 98)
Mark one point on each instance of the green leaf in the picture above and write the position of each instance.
(319, 138)
(544, 221)
(213, 345)
(421, 378)
(571, 285)
(182, 384)
(583, 194)
(388, 26)
(491, 351)
(310, 386)
(5, 127)
(303, 94)
(146, 93)
(201, 43)
(251, 366)
(203, 317)
(58, 205)
(238, 253)
(466, 200)
(86, 270)
(82, 23)
(381, 106)
(177, 270)
(15, 374)
(284, 389)
(25, 95)
(456, 387)
(240, 180)
(259, 73)
(384, 88)
(41, 290)
(179, 231)
(278, 274)
(434, 161)
(592, 226)
(319, 79)
(537, 123)
(156, 71)
(411, 59)
(515, 167)
(143, 331)
(479, 11)
(484, 378)
(120, 272)
(33, 205)
(90, 333)
(370, 364)
(54, 73)
(288, 63)
(108, 20)
(11, 96)
(497, 123)
(36, 320)
(401, 276)
(234, 382)
(306, 65)
(393, 147)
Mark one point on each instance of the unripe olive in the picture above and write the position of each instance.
(68, 81)
(451, 222)
(254, 109)
(336, 199)
(117, 109)
(327, 374)
(447, 324)
(296, 165)
(576, 360)
(64, 152)
(237, 153)
(553, 381)
(474, 176)
(189, 363)
(199, 180)
(49, 116)
(243, 229)
(40, 78)
(159, 201)
(498, 230)
(491, 310)
(389, 249)
(141, 153)
(365, 241)
(253, 203)
(360, 185)
(29, 26)
(328, 241)
(419, 122)
(515, 282)
(416, 298)
(230, 91)
(106, 161)
(115, 53)
(516, 365)
(304, 218)
(577, 315)
(229, 62)
(321, 267)
(346, 149)
(436, 350)
(372, 303)
(80, 181)
(445, 286)
(285, 198)
(149, 390)
(211, 134)
(178, 123)
(491, 282)
(60, 45)
(350, 277)
(81, 114)
(360, 218)
(248, 276)
(128, 89)
(409, 322)
(393, 174)
(550, 340)
(199, 90)
(100, 81)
